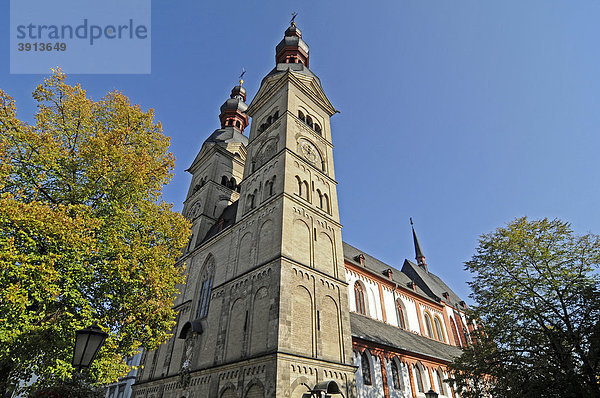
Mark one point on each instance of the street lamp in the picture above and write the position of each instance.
(87, 344)
(323, 390)
(431, 394)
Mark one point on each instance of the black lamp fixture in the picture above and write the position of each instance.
(323, 389)
(431, 394)
(87, 344)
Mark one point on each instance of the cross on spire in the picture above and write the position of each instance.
(242, 75)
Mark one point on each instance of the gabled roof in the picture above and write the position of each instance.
(428, 285)
(301, 77)
(368, 329)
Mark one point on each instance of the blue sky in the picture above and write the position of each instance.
(461, 114)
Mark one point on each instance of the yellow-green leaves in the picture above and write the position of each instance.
(84, 234)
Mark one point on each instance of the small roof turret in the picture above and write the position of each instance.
(292, 49)
(233, 111)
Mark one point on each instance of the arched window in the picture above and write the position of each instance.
(395, 375)
(419, 378)
(438, 328)
(400, 314)
(205, 287)
(317, 128)
(454, 332)
(359, 296)
(440, 378)
(428, 325)
(276, 115)
(309, 121)
(238, 124)
(224, 180)
(269, 120)
(305, 186)
(366, 368)
(271, 186)
(326, 203)
(254, 196)
(320, 198)
(301, 116)
(299, 185)
(233, 183)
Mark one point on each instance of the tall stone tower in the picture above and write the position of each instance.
(264, 312)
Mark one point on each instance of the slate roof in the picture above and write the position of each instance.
(226, 135)
(378, 332)
(377, 266)
(428, 285)
(228, 216)
(298, 68)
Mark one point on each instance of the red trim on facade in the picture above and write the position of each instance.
(382, 302)
(386, 388)
(391, 285)
(412, 381)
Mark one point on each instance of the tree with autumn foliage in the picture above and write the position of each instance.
(85, 236)
(536, 290)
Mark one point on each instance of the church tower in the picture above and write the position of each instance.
(289, 179)
(264, 311)
(218, 168)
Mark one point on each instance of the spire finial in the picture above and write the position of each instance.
(294, 15)
(242, 75)
(418, 252)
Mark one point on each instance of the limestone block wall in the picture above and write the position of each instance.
(296, 374)
(247, 379)
(311, 320)
(310, 238)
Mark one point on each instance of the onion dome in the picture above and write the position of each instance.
(233, 111)
(292, 49)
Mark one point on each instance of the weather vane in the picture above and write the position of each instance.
(242, 75)
(294, 14)
(411, 223)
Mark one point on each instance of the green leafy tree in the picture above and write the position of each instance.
(84, 234)
(537, 301)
